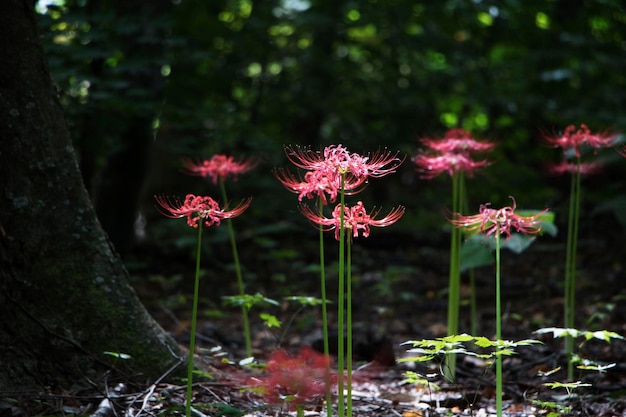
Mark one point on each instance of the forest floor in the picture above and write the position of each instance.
(399, 295)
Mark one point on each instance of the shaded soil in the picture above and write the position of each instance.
(399, 294)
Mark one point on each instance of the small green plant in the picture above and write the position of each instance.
(574, 360)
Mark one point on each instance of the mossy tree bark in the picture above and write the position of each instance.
(64, 295)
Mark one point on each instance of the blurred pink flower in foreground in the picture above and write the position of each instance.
(451, 154)
(197, 208)
(325, 170)
(573, 139)
(218, 167)
(355, 219)
(504, 220)
(294, 380)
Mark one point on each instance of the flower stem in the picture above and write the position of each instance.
(233, 246)
(570, 267)
(340, 307)
(192, 335)
(329, 408)
(498, 328)
(349, 324)
(454, 277)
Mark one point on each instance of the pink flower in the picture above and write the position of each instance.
(326, 169)
(197, 208)
(432, 166)
(319, 183)
(504, 220)
(337, 158)
(622, 151)
(294, 380)
(573, 139)
(451, 154)
(218, 167)
(458, 141)
(586, 168)
(355, 218)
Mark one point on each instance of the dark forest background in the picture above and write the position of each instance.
(144, 83)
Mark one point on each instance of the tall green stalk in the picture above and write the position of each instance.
(349, 323)
(498, 328)
(455, 275)
(233, 246)
(569, 304)
(329, 408)
(194, 316)
(340, 307)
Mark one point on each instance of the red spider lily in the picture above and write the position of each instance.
(319, 183)
(196, 208)
(458, 141)
(355, 218)
(622, 151)
(294, 380)
(218, 167)
(504, 220)
(573, 139)
(338, 158)
(586, 168)
(432, 166)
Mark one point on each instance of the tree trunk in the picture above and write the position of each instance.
(64, 295)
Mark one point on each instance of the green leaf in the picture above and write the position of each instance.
(118, 355)
(270, 320)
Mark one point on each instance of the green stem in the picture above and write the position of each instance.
(194, 315)
(570, 267)
(300, 410)
(340, 307)
(474, 321)
(329, 408)
(498, 328)
(233, 246)
(454, 277)
(349, 323)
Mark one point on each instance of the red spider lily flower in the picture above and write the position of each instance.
(573, 139)
(338, 158)
(504, 220)
(458, 141)
(432, 166)
(294, 380)
(586, 168)
(218, 167)
(319, 183)
(355, 218)
(197, 208)
(622, 151)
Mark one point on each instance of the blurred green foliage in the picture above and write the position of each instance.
(244, 78)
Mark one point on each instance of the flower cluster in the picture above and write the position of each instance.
(503, 221)
(355, 218)
(451, 154)
(219, 167)
(293, 380)
(198, 208)
(573, 139)
(332, 170)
